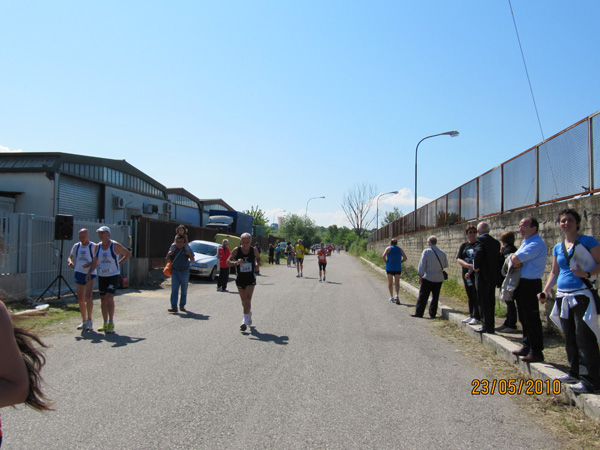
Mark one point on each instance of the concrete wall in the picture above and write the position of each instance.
(38, 192)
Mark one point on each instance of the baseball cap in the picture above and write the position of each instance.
(103, 228)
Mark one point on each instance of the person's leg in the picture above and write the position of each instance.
(225, 273)
(530, 308)
(568, 327)
(511, 315)
(175, 282)
(397, 284)
(435, 297)
(89, 298)
(391, 284)
(424, 292)
(110, 306)
(301, 266)
(81, 298)
(589, 354)
(184, 279)
(104, 307)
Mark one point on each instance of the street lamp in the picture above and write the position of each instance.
(447, 133)
(306, 211)
(377, 203)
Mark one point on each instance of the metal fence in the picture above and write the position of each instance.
(561, 167)
(27, 247)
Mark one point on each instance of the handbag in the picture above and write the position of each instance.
(443, 271)
(593, 289)
(168, 270)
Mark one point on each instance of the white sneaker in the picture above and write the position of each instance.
(298, 276)
(474, 322)
(320, 279)
(467, 320)
(249, 320)
(567, 379)
(392, 299)
(89, 326)
(243, 326)
(81, 326)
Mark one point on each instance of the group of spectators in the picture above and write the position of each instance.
(488, 264)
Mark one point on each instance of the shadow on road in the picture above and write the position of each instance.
(331, 282)
(266, 337)
(192, 315)
(118, 340)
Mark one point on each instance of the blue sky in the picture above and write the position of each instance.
(270, 103)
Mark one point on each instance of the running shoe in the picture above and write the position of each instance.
(301, 274)
(323, 277)
(249, 320)
(467, 320)
(81, 326)
(243, 326)
(103, 327)
(320, 279)
(397, 300)
(89, 326)
(298, 276)
(110, 327)
(224, 290)
(392, 299)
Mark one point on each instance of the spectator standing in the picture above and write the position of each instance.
(486, 264)
(465, 258)
(278, 253)
(109, 272)
(394, 256)
(271, 254)
(531, 258)
(224, 254)
(508, 247)
(81, 257)
(181, 255)
(289, 250)
(575, 266)
(431, 267)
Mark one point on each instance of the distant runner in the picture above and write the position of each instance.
(299, 249)
(394, 256)
(322, 255)
(246, 258)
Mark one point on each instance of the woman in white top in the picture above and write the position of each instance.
(80, 259)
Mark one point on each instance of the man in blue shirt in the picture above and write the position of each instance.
(531, 257)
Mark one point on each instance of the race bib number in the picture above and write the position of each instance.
(246, 267)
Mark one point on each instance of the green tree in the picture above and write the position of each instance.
(258, 214)
(391, 216)
(295, 227)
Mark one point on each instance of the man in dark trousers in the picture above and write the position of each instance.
(487, 269)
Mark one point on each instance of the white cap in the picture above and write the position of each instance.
(103, 228)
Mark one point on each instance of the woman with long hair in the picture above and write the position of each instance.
(21, 361)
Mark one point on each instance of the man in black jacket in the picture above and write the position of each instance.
(487, 269)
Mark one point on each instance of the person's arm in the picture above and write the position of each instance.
(595, 271)
(404, 257)
(123, 251)
(232, 261)
(14, 380)
(70, 262)
(551, 280)
(385, 253)
(92, 267)
(256, 258)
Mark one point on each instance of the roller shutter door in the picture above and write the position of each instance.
(79, 198)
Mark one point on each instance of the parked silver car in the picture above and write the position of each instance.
(206, 254)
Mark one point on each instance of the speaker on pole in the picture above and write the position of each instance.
(63, 227)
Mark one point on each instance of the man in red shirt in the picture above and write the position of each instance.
(224, 254)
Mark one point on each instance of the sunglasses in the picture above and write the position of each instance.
(471, 232)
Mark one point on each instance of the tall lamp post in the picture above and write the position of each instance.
(447, 133)
(312, 198)
(377, 203)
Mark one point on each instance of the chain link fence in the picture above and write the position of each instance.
(561, 167)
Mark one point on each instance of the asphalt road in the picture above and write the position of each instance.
(326, 365)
